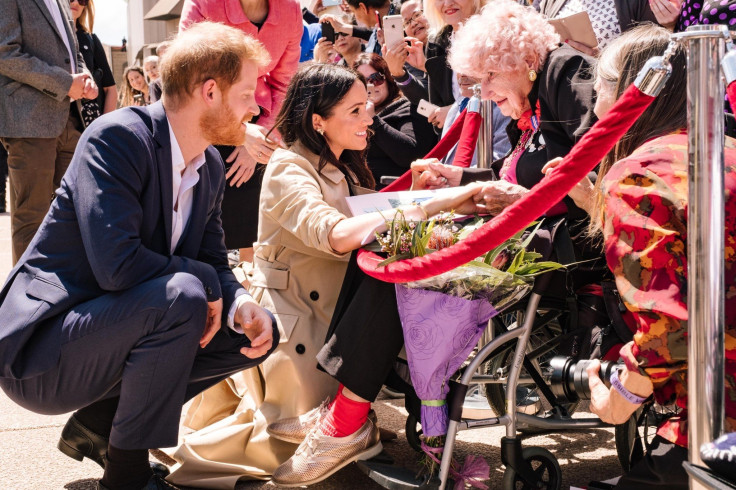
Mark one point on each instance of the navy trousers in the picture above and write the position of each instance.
(141, 345)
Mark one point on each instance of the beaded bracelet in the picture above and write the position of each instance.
(616, 383)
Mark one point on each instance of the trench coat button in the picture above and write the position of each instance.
(66, 60)
(314, 295)
(300, 349)
(208, 290)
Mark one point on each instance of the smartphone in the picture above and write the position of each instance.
(331, 3)
(425, 108)
(378, 19)
(393, 30)
(328, 32)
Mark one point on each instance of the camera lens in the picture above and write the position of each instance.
(570, 377)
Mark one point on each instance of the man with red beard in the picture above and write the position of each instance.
(124, 306)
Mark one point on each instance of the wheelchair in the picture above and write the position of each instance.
(554, 319)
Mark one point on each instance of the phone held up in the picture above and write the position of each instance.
(328, 32)
(331, 3)
(393, 30)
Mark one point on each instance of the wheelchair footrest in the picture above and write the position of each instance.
(396, 477)
(707, 477)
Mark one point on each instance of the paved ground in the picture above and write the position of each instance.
(29, 459)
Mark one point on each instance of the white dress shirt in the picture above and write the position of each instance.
(184, 178)
(55, 12)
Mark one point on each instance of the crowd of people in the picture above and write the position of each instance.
(246, 132)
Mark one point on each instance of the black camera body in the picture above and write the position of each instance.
(569, 380)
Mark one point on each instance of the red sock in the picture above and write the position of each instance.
(345, 417)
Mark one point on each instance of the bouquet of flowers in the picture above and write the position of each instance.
(444, 316)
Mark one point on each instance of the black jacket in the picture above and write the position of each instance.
(401, 135)
(439, 72)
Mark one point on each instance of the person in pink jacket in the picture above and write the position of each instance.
(277, 24)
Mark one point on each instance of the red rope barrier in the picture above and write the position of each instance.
(468, 140)
(441, 149)
(584, 156)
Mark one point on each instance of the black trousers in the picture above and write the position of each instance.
(141, 345)
(365, 336)
(661, 468)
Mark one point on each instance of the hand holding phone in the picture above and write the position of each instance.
(393, 30)
(328, 32)
(425, 108)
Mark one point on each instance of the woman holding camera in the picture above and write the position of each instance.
(640, 204)
(304, 243)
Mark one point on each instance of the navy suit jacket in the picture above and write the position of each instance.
(109, 229)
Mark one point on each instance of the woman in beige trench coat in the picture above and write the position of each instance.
(304, 242)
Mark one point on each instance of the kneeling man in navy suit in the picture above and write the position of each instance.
(123, 307)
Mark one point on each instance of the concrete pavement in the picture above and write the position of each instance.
(29, 459)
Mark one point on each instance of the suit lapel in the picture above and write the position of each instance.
(163, 161)
(42, 5)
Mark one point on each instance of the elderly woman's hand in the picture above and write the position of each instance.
(610, 405)
(666, 12)
(395, 58)
(584, 191)
(431, 174)
(495, 196)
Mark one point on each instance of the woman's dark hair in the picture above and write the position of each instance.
(619, 64)
(379, 64)
(317, 88)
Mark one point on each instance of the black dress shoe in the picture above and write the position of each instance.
(156, 482)
(79, 442)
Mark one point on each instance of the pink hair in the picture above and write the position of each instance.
(500, 39)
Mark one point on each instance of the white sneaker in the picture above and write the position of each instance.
(320, 456)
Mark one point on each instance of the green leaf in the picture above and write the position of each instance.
(394, 258)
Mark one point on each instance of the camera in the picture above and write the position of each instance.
(569, 381)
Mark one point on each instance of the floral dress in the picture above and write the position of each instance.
(645, 230)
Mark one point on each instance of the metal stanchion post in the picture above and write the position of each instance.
(484, 147)
(705, 240)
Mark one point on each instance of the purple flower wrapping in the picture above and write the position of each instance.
(440, 331)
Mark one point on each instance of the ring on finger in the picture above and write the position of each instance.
(260, 154)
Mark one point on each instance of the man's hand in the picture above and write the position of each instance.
(609, 404)
(79, 85)
(431, 174)
(257, 326)
(90, 89)
(337, 24)
(438, 117)
(214, 320)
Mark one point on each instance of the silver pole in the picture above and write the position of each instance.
(705, 230)
(484, 147)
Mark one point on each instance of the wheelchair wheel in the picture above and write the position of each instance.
(545, 466)
(629, 447)
(543, 345)
(413, 433)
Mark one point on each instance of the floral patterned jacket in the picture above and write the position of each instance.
(645, 229)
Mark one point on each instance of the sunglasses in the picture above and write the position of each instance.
(82, 3)
(341, 34)
(377, 79)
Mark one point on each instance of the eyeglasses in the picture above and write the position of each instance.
(82, 3)
(414, 18)
(377, 79)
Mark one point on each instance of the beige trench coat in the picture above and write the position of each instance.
(297, 276)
